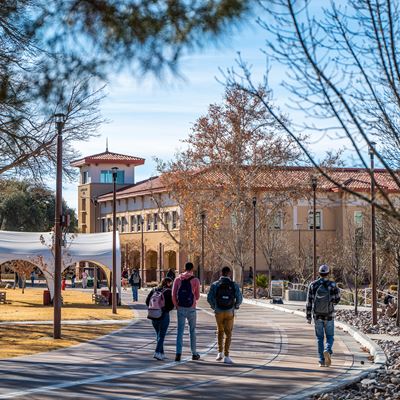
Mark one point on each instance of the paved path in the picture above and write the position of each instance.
(274, 354)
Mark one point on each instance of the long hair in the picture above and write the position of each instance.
(164, 282)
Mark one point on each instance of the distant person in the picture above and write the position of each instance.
(124, 277)
(171, 273)
(136, 283)
(224, 298)
(63, 282)
(84, 279)
(73, 277)
(390, 305)
(159, 303)
(322, 296)
(32, 278)
(185, 294)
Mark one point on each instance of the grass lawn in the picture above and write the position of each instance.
(17, 340)
(77, 305)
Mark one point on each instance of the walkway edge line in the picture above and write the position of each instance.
(374, 349)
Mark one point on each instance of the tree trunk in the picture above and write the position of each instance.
(23, 284)
(356, 294)
(269, 280)
(398, 293)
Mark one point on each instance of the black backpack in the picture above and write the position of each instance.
(322, 303)
(185, 295)
(225, 296)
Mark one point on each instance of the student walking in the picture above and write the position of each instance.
(322, 296)
(159, 302)
(84, 279)
(33, 278)
(136, 283)
(185, 294)
(224, 298)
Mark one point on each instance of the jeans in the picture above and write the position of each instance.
(135, 293)
(184, 313)
(224, 326)
(324, 328)
(161, 327)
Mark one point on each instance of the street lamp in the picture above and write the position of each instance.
(314, 183)
(59, 121)
(142, 248)
(373, 239)
(114, 243)
(254, 249)
(203, 217)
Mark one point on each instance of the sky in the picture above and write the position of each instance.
(148, 117)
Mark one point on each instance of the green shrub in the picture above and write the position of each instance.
(262, 281)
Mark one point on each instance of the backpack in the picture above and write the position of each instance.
(134, 279)
(322, 302)
(225, 296)
(156, 304)
(185, 295)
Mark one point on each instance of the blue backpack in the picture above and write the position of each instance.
(185, 295)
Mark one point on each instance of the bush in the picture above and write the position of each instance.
(262, 281)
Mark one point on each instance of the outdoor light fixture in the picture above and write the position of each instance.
(254, 249)
(203, 217)
(59, 121)
(373, 238)
(314, 183)
(114, 243)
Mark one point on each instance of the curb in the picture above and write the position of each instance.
(374, 349)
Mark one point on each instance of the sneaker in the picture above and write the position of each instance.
(228, 360)
(158, 356)
(321, 364)
(164, 357)
(178, 357)
(220, 356)
(328, 359)
(196, 357)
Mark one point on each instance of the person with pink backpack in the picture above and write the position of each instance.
(159, 303)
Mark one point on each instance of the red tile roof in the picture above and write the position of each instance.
(108, 157)
(356, 179)
(151, 185)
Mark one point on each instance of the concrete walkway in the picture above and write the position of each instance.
(274, 354)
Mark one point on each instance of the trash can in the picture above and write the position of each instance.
(46, 298)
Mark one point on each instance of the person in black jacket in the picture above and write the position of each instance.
(161, 324)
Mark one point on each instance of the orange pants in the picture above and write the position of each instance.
(224, 328)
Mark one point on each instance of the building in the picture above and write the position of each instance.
(148, 218)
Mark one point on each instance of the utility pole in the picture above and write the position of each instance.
(373, 240)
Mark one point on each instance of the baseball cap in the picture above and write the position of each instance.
(323, 269)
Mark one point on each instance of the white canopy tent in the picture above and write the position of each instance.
(36, 247)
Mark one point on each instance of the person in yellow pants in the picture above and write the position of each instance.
(224, 298)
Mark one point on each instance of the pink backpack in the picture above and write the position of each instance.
(156, 304)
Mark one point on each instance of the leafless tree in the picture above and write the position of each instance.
(343, 68)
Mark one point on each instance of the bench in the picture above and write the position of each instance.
(99, 299)
(3, 297)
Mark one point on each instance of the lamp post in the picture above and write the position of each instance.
(299, 243)
(142, 248)
(373, 239)
(254, 249)
(114, 243)
(203, 217)
(59, 120)
(314, 183)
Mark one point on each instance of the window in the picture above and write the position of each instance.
(106, 177)
(124, 223)
(119, 224)
(133, 223)
(155, 221)
(83, 204)
(317, 220)
(166, 220)
(174, 219)
(358, 219)
(109, 224)
(103, 225)
(139, 222)
(278, 220)
(85, 177)
(148, 226)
